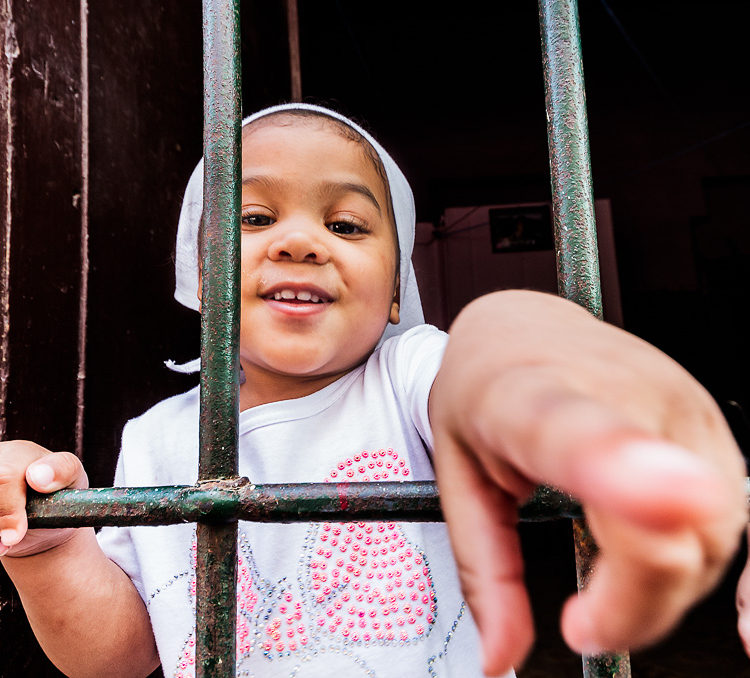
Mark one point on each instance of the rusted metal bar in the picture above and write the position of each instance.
(574, 221)
(609, 664)
(219, 411)
(221, 242)
(295, 69)
(570, 166)
(83, 304)
(223, 501)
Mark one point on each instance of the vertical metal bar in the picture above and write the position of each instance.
(84, 203)
(295, 70)
(219, 411)
(609, 665)
(7, 56)
(575, 225)
(570, 166)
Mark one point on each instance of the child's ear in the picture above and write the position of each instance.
(394, 317)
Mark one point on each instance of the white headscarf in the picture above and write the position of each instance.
(186, 259)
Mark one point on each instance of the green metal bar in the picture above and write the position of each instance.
(216, 570)
(574, 222)
(222, 501)
(610, 664)
(221, 242)
(570, 166)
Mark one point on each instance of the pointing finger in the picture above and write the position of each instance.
(481, 521)
(550, 433)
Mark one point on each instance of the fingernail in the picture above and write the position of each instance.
(655, 456)
(4, 549)
(41, 475)
(9, 537)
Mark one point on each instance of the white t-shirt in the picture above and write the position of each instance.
(314, 599)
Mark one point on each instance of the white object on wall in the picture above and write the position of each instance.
(460, 265)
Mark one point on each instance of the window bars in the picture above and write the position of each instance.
(220, 498)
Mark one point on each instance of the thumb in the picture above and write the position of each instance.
(56, 471)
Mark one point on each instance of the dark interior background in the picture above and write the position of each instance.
(456, 94)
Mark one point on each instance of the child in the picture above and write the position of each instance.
(343, 382)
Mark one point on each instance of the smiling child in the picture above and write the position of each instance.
(344, 383)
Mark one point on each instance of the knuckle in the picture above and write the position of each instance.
(12, 489)
(15, 448)
(67, 467)
(13, 519)
(15, 456)
(682, 561)
(8, 474)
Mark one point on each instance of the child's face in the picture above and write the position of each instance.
(318, 252)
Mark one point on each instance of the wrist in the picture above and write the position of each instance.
(44, 543)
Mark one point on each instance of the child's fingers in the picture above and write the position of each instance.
(13, 527)
(13, 461)
(551, 434)
(639, 590)
(22, 462)
(665, 517)
(481, 520)
(56, 471)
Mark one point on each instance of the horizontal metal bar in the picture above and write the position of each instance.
(227, 500)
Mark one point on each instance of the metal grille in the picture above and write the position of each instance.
(221, 498)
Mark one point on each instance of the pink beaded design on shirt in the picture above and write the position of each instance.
(368, 583)
(359, 584)
(284, 630)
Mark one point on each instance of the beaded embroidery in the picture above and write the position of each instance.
(365, 581)
(358, 585)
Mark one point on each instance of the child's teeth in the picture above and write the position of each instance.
(288, 295)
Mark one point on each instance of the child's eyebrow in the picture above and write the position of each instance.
(334, 187)
(264, 181)
(325, 188)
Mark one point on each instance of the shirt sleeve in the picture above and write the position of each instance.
(413, 360)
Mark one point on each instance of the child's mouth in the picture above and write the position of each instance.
(301, 297)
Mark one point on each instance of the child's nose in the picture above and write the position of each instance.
(299, 243)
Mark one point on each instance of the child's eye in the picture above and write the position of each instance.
(346, 228)
(256, 220)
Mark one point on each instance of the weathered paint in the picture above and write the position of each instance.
(609, 665)
(216, 600)
(41, 163)
(216, 574)
(227, 500)
(83, 298)
(295, 68)
(574, 221)
(7, 55)
(221, 241)
(570, 167)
